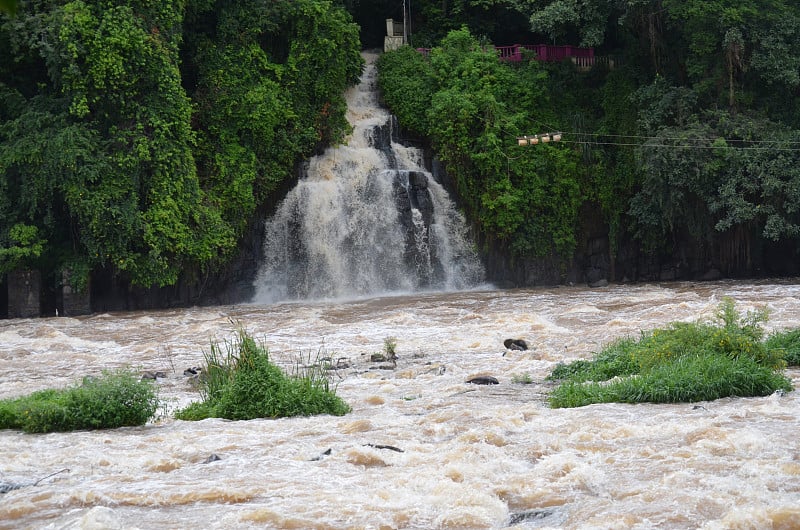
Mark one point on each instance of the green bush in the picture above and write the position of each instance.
(615, 360)
(407, 85)
(684, 362)
(115, 399)
(118, 399)
(9, 418)
(692, 378)
(241, 383)
(787, 344)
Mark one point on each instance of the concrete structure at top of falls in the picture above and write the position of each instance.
(366, 219)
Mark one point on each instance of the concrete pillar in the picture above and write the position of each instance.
(24, 294)
(74, 302)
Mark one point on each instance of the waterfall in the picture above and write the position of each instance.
(365, 219)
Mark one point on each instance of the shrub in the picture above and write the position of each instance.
(787, 344)
(687, 379)
(118, 399)
(115, 399)
(241, 383)
(9, 416)
(683, 362)
(617, 359)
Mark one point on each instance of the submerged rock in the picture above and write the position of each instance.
(5, 487)
(322, 455)
(483, 380)
(389, 447)
(539, 518)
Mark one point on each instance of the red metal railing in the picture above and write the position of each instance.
(544, 52)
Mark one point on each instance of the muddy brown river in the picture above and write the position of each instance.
(468, 456)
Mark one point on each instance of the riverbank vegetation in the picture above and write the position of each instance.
(471, 106)
(140, 144)
(114, 399)
(139, 139)
(683, 362)
(239, 382)
(680, 143)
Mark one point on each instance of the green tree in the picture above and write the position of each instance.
(760, 184)
(721, 39)
(723, 180)
(407, 83)
(24, 244)
(9, 6)
(270, 89)
(560, 19)
(432, 20)
(121, 73)
(133, 150)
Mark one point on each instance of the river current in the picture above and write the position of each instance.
(421, 449)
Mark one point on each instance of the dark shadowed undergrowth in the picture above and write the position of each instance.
(684, 362)
(241, 383)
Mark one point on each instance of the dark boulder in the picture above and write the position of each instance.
(483, 380)
(515, 344)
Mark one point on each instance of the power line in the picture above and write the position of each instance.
(766, 145)
(750, 143)
(686, 146)
(685, 139)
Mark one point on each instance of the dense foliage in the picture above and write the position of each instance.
(689, 144)
(141, 137)
(241, 383)
(469, 105)
(683, 362)
(114, 399)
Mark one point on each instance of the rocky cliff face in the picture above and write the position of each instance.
(415, 208)
(595, 263)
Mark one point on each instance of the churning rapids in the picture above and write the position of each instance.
(472, 456)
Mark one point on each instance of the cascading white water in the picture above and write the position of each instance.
(365, 219)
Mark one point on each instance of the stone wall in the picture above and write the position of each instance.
(73, 302)
(24, 294)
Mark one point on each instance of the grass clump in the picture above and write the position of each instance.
(241, 383)
(115, 399)
(684, 362)
(522, 379)
(390, 347)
